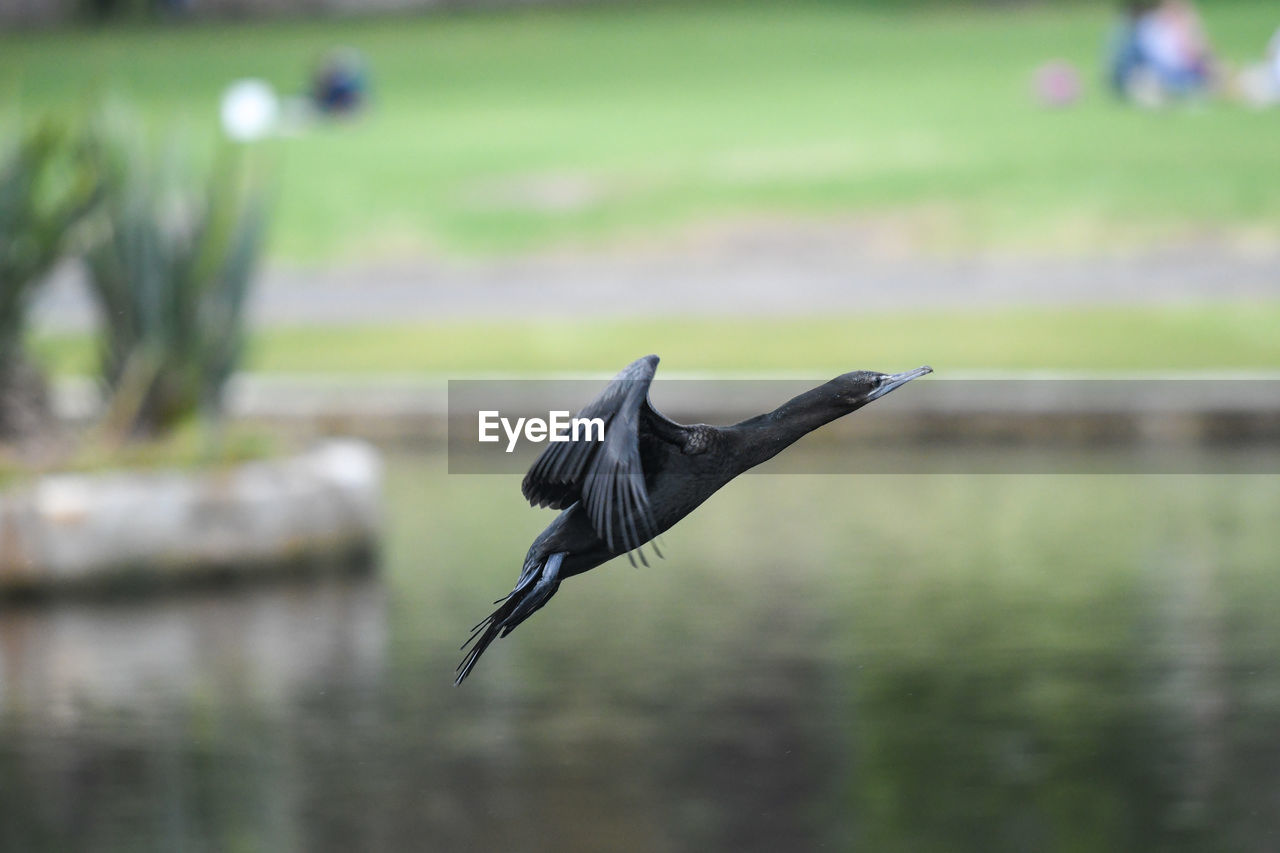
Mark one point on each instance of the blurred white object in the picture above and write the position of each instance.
(1259, 84)
(250, 110)
(1273, 56)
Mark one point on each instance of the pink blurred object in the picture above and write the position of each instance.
(1056, 84)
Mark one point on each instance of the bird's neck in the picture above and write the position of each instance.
(765, 436)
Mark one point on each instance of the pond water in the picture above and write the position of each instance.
(912, 662)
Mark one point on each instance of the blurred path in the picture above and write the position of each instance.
(799, 271)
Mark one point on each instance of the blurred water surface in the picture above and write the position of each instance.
(945, 662)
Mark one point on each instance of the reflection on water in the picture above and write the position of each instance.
(269, 642)
(956, 662)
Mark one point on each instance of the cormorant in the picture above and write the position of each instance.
(646, 474)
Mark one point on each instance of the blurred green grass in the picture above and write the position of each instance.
(495, 132)
(1229, 336)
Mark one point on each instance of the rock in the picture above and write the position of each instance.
(94, 529)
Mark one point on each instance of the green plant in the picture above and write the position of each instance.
(171, 273)
(47, 185)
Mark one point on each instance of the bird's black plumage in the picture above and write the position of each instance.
(644, 476)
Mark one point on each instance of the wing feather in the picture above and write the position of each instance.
(607, 476)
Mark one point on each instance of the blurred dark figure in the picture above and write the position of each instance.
(133, 10)
(340, 83)
(175, 8)
(1160, 51)
(1124, 56)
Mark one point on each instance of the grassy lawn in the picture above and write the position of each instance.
(521, 129)
(1219, 337)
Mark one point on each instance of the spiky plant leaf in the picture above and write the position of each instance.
(47, 186)
(171, 277)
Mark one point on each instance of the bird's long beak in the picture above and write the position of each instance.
(897, 380)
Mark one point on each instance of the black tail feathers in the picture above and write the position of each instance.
(537, 583)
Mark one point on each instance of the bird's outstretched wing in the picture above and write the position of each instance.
(605, 475)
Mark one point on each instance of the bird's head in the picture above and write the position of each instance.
(860, 387)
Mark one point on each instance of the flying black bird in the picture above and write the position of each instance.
(646, 474)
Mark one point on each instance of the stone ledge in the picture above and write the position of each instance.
(1059, 406)
(95, 529)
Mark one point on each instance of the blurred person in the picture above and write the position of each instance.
(340, 83)
(1173, 38)
(175, 8)
(1160, 51)
(1125, 56)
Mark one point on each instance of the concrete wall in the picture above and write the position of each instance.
(96, 529)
